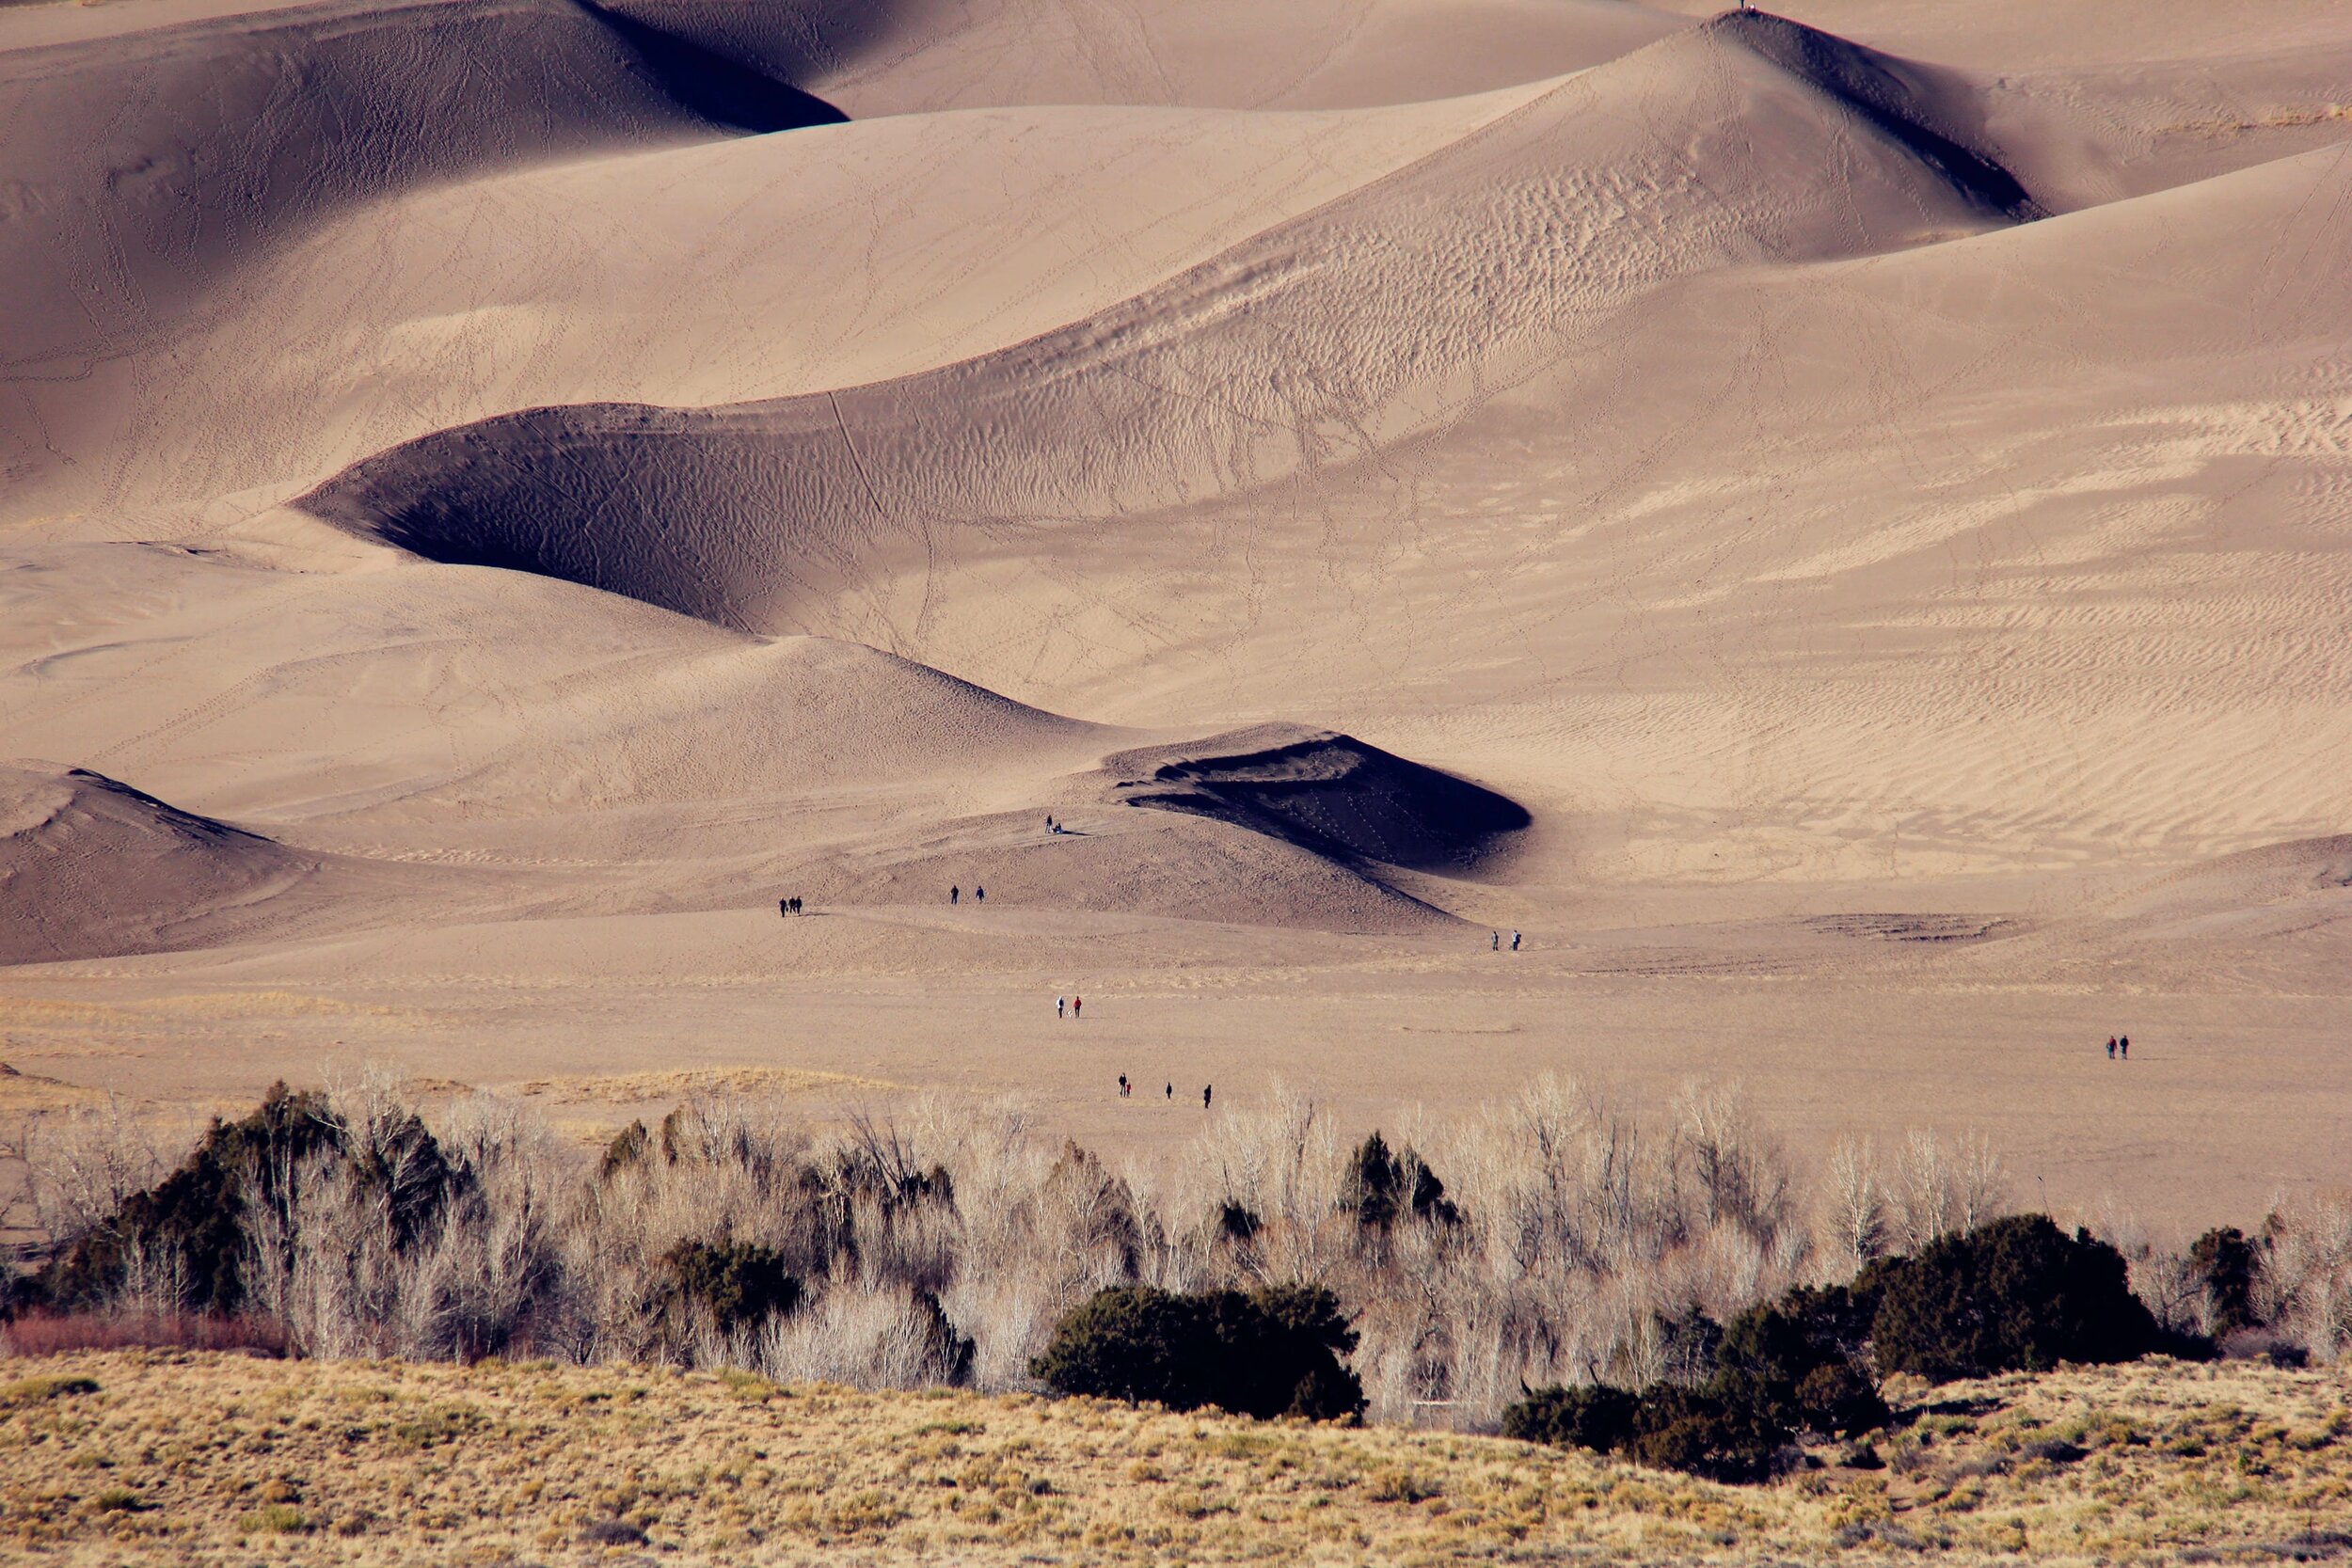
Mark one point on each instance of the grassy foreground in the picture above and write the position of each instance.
(170, 1457)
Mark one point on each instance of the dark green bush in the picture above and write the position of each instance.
(1795, 1364)
(191, 1217)
(1383, 1187)
(2228, 1266)
(2015, 1294)
(739, 1283)
(1702, 1433)
(1597, 1416)
(1274, 1352)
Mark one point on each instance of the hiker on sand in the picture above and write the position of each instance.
(2124, 1047)
(1061, 1006)
(955, 897)
(1122, 1085)
(1077, 1006)
(2110, 1048)
(783, 906)
(1494, 940)
(980, 895)
(1206, 1090)
(1514, 941)
(1171, 1091)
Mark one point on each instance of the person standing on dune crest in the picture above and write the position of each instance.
(955, 897)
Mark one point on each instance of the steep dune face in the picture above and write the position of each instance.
(140, 172)
(90, 867)
(1331, 794)
(1469, 272)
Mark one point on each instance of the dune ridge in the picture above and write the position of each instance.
(141, 171)
(764, 516)
(90, 866)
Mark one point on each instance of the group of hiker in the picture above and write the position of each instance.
(955, 896)
(2119, 1045)
(787, 906)
(1126, 1091)
(1494, 940)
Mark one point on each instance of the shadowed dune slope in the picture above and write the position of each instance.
(1328, 793)
(139, 172)
(90, 867)
(1470, 270)
(837, 256)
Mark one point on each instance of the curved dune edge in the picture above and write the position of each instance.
(90, 867)
(144, 172)
(1226, 379)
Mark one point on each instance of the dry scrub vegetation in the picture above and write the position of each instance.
(150, 1457)
(1554, 1237)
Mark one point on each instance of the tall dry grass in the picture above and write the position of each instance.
(1574, 1239)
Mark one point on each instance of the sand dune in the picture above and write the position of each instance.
(829, 257)
(2281, 887)
(1307, 54)
(89, 868)
(775, 516)
(140, 172)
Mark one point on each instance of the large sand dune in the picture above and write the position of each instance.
(143, 171)
(1231, 376)
(1832, 527)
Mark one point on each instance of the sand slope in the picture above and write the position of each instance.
(1228, 378)
(828, 258)
(90, 866)
(141, 171)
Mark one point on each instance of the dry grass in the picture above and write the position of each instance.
(633, 1089)
(22, 1092)
(150, 1457)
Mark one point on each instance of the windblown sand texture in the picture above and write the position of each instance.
(1831, 525)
